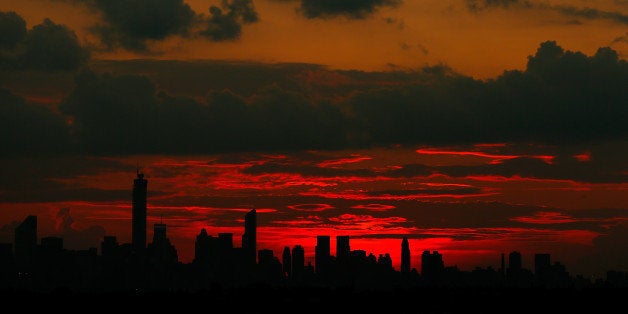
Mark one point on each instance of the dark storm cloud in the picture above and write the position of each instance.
(306, 170)
(413, 192)
(478, 5)
(51, 46)
(130, 23)
(133, 24)
(566, 10)
(196, 78)
(47, 178)
(13, 29)
(567, 168)
(226, 23)
(126, 114)
(28, 128)
(55, 192)
(562, 97)
(356, 9)
(591, 13)
(47, 46)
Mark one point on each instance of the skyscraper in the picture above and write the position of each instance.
(287, 261)
(249, 238)
(322, 254)
(342, 247)
(161, 251)
(432, 265)
(298, 261)
(204, 246)
(514, 262)
(542, 264)
(139, 213)
(405, 255)
(26, 242)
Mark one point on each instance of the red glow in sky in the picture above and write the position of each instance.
(471, 216)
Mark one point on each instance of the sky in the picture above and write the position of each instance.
(473, 127)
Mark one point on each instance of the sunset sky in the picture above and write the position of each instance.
(473, 127)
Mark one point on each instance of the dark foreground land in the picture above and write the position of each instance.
(266, 299)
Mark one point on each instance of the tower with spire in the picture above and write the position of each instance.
(138, 234)
(405, 255)
(249, 238)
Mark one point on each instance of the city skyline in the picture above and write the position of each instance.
(27, 266)
(431, 263)
(473, 128)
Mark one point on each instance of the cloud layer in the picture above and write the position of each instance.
(136, 24)
(571, 11)
(562, 96)
(356, 9)
(47, 46)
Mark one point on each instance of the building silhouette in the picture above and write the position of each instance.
(432, 266)
(342, 247)
(249, 238)
(514, 261)
(26, 243)
(541, 264)
(203, 248)
(385, 261)
(52, 243)
(405, 255)
(138, 241)
(298, 261)
(7, 266)
(322, 257)
(161, 250)
(217, 265)
(286, 261)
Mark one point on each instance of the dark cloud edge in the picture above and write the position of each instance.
(561, 97)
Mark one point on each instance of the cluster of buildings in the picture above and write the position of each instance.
(27, 265)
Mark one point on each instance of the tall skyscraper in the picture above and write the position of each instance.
(287, 261)
(342, 247)
(514, 262)
(502, 268)
(249, 238)
(139, 213)
(204, 247)
(161, 251)
(298, 261)
(322, 254)
(26, 242)
(405, 255)
(542, 264)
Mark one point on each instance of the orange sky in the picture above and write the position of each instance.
(481, 44)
